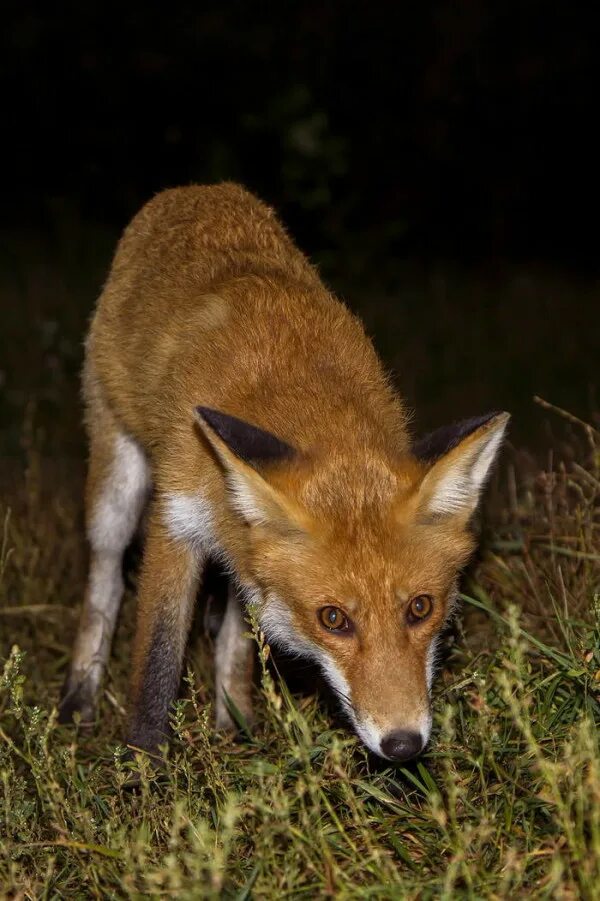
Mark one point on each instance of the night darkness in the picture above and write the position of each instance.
(438, 161)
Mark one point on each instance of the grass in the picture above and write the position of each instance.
(505, 802)
(507, 799)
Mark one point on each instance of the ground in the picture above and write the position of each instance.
(506, 801)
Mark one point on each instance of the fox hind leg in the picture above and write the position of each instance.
(234, 665)
(117, 490)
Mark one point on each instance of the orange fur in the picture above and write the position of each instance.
(210, 303)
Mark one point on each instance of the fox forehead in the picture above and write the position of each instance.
(339, 485)
(364, 568)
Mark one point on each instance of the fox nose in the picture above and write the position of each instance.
(402, 745)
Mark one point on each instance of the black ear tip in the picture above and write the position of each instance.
(442, 440)
(246, 441)
(204, 413)
(478, 421)
(213, 418)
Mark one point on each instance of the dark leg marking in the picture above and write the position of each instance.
(149, 725)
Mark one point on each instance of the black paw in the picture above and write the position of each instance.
(77, 698)
(148, 746)
(147, 739)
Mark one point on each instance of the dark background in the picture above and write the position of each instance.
(439, 161)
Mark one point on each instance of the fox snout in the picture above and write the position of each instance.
(390, 713)
(402, 744)
(395, 742)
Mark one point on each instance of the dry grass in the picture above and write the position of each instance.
(507, 799)
(505, 802)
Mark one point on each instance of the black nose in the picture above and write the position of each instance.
(402, 745)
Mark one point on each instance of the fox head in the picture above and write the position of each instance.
(355, 559)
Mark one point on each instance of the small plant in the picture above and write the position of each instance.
(506, 802)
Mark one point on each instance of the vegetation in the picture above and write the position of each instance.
(505, 802)
(507, 798)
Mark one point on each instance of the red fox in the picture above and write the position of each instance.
(226, 388)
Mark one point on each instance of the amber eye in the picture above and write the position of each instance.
(419, 608)
(334, 619)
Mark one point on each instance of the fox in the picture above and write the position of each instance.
(234, 403)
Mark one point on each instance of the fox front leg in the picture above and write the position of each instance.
(168, 586)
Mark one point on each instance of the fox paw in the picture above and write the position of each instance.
(77, 697)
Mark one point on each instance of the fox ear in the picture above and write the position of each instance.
(247, 442)
(461, 456)
(241, 448)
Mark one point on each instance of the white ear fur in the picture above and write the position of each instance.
(254, 499)
(245, 501)
(454, 483)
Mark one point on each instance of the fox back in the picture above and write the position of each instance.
(228, 389)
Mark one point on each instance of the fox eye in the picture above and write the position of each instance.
(334, 619)
(419, 608)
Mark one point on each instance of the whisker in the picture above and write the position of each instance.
(342, 696)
